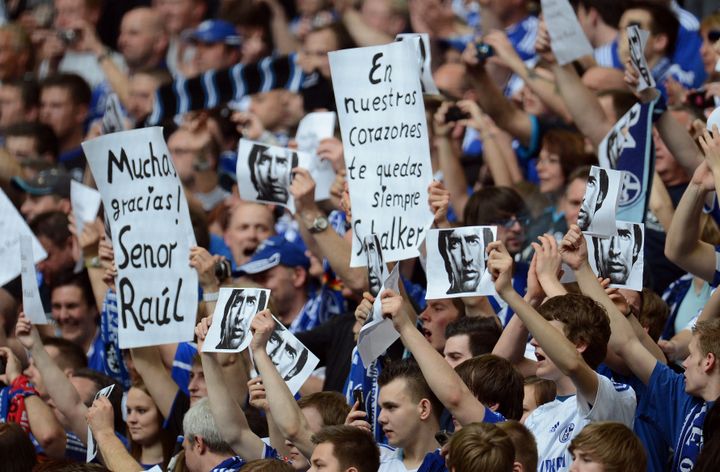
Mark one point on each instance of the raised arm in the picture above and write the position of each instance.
(114, 454)
(42, 421)
(288, 416)
(442, 379)
(553, 342)
(448, 154)
(62, 391)
(683, 246)
(623, 339)
(229, 416)
(160, 384)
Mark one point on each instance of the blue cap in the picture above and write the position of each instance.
(272, 252)
(215, 31)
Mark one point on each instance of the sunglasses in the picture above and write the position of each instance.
(508, 223)
(713, 36)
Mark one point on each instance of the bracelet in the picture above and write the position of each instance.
(211, 296)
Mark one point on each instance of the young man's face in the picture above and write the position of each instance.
(272, 171)
(250, 224)
(76, 320)
(573, 200)
(399, 414)
(323, 459)
(643, 19)
(546, 368)
(465, 253)
(587, 208)
(695, 376)
(584, 462)
(197, 386)
(616, 256)
(438, 314)
(58, 111)
(457, 350)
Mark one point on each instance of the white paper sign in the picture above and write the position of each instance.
(112, 120)
(13, 225)
(599, 205)
(422, 49)
(264, 173)
(637, 39)
(620, 257)
(234, 312)
(151, 236)
(567, 38)
(458, 260)
(378, 333)
(713, 119)
(313, 128)
(377, 272)
(385, 138)
(32, 305)
(92, 445)
(85, 202)
(293, 360)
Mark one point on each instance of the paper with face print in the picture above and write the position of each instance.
(599, 206)
(378, 333)
(456, 262)
(292, 359)
(567, 38)
(620, 257)
(422, 47)
(264, 173)
(234, 312)
(313, 128)
(13, 225)
(375, 264)
(113, 119)
(92, 445)
(637, 39)
(32, 305)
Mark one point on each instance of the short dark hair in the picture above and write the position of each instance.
(586, 321)
(101, 381)
(353, 447)
(29, 91)
(16, 449)
(267, 465)
(603, 186)
(524, 441)
(492, 204)
(664, 21)
(77, 86)
(481, 447)
(483, 332)
(492, 379)
(71, 357)
(80, 280)
(417, 386)
(609, 10)
(570, 148)
(53, 225)
(45, 140)
(332, 406)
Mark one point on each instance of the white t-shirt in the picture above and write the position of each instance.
(556, 423)
(391, 460)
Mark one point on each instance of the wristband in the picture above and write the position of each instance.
(211, 297)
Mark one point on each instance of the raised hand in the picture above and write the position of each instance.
(302, 189)
(258, 397)
(262, 327)
(26, 333)
(500, 265)
(439, 201)
(392, 308)
(573, 248)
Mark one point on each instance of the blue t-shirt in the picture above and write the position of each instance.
(678, 415)
(105, 355)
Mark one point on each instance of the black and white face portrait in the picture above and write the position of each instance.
(617, 257)
(293, 361)
(376, 266)
(463, 252)
(271, 172)
(596, 191)
(237, 314)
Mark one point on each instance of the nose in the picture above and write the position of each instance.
(273, 173)
(425, 316)
(614, 249)
(465, 253)
(533, 343)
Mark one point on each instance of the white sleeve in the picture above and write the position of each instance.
(613, 402)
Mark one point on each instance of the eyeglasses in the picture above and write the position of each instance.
(713, 36)
(508, 223)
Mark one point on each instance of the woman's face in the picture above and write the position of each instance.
(549, 171)
(708, 51)
(143, 417)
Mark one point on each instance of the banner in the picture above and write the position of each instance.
(385, 138)
(151, 234)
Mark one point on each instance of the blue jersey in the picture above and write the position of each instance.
(105, 355)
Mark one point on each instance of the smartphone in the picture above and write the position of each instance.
(697, 99)
(359, 398)
(454, 113)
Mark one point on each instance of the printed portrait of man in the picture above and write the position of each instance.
(288, 355)
(375, 263)
(462, 250)
(239, 310)
(271, 172)
(616, 256)
(595, 193)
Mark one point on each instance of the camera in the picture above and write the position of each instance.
(484, 51)
(697, 99)
(223, 270)
(68, 36)
(454, 114)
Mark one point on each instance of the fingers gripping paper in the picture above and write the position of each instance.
(151, 235)
(387, 156)
(378, 333)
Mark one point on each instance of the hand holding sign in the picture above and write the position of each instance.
(637, 39)
(568, 39)
(100, 418)
(500, 265)
(262, 327)
(26, 333)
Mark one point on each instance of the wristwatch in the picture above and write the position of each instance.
(319, 224)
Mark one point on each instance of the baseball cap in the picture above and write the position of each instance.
(274, 251)
(54, 181)
(215, 31)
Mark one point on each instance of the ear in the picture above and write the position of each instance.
(581, 347)
(494, 406)
(425, 409)
(518, 467)
(351, 469)
(199, 445)
(660, 43)
(65, 205)
(710, 362)
(299, 277)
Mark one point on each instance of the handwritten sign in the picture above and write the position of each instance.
(385, 138)
(313, 128)
(567, 38)
(599, 206)
(459, 262)
(637, 39)
(422, 49)
(151, 235)
(234, 311)
(32, 305)
(13, 225)
(92, 445)
(378, 333)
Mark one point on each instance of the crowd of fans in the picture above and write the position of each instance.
(545, 376)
